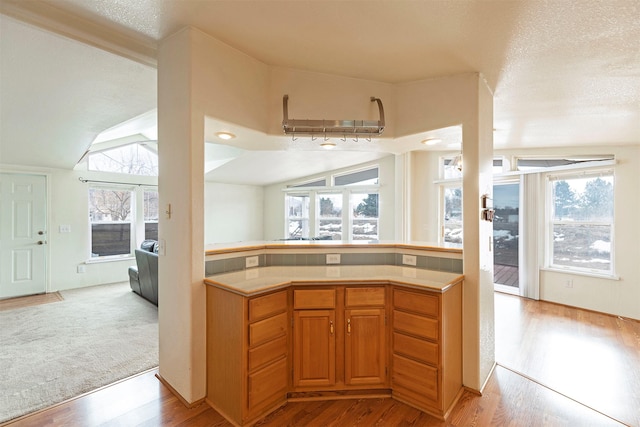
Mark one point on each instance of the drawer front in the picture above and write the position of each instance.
(268, 386)
(267, 329)
(418, 379)
(268, 305)
(359, 297)
(267, 352)
(416, 302)
(415, 348)
(314, 298)
(413, 324)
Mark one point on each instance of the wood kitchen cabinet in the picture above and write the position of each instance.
(374, 339)
(427, 348)
(247, 353)
(339, 337)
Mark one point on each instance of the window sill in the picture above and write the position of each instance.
(581, 273)
(101, 260)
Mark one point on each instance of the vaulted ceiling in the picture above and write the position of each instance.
(563, 72)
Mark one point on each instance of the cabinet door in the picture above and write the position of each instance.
(314, 348)
(365, 346)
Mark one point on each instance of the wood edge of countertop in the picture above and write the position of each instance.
(332, 282)
(315, 245)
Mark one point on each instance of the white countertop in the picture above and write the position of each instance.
(263, 279)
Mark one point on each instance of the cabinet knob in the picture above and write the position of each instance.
(331, 326)
(348, 326)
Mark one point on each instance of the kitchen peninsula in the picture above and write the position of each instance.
(296, 320)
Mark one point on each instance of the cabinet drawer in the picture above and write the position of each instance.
(314, 298)
(267, 329)
(419, 380)
(267, 305)
(268, 386)
(365, 296)
(267, 352)
(423, 351)
(416, 302)
(413, 324)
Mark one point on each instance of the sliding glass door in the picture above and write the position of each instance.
(506, 202)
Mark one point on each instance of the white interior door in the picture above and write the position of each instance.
(23, 234)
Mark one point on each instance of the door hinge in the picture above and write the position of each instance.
(385, 320)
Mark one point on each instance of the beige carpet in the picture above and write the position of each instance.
(52, 352)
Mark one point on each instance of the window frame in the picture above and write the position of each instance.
(137, 220)
(551, 222)
(316, 192)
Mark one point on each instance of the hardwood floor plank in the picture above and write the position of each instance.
(29, 301)
(543, 340)
(590, 357)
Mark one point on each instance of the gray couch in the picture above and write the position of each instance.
(143, 278)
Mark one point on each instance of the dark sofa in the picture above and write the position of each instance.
(144, 278)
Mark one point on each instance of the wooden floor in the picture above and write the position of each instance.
(536, 339)
(31, 300)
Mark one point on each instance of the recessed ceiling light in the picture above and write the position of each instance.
(225, 135)
(328, 144)
(431, 141)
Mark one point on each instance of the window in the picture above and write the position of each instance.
(364, 222)
(114, 215)
(533, 163)
(110, 213)
(362, 177)
(581, 226)
(133, 159)
(347, 208)
(150, 206)
(452, 224)
(330, 217)
(322, 182)
(297, 206)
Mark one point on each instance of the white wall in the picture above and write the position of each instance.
(68, 204)
(274, 210)
(619, 297)
(233, 213)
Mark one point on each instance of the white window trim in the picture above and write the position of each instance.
(137, 222)
(575, 172)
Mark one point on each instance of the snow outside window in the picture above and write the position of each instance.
(297, 206)
(330, 218)
(364, 220)
(581, 225)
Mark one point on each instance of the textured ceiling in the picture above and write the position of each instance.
(563, 72)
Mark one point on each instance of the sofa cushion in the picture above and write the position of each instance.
(148, 245)
(134, 281)
(148, 274)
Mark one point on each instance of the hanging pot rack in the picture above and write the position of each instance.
(367, 128)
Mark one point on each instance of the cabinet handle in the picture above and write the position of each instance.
(331, 326)
(348, 326)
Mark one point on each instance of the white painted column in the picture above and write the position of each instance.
(477, 179)
(181, 307)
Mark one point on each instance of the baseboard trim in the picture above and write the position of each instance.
(178, 395)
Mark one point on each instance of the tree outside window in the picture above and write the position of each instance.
(582, 222)
(330, 223)
(110, 216)
(364, 224)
